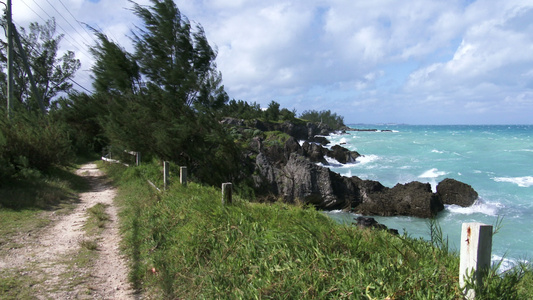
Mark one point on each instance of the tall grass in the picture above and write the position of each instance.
(184, 244)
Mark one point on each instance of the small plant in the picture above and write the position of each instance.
(89, 244)
(98, 215)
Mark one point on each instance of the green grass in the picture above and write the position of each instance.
(184, 244)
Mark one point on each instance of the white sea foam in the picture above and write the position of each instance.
(433, 173)
(506, 263)
(525, 181)
(437, 151)
(347, 174)
(364, 159)
(480, 206)
(343, 141)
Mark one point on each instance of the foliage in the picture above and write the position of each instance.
(333, 120)
(173, 115)
(80, 116)
(242, 110)
(272, 112)
(175, 59)
(50, 71)
(30, 145)
(115, 70)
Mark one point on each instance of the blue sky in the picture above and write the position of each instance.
(382, 61)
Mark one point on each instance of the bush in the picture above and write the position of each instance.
(29, 144)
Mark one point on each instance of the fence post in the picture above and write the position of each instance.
(138, 158)
(476, 245)
(165, 174)
(226, 193)
(183, 176)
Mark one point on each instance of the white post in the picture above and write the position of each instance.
(476, 245)
(183, 176)
(165, 174)
(226, 193)
(138, 158)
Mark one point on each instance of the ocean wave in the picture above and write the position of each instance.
(433, 173)
(525, 181)
(506, 263)
(365, 159)
(437, 151)
(480, 206)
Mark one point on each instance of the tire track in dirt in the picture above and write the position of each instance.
(46, 255)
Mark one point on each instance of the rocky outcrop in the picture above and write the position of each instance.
(343, 155)
(368, 222)
(451, 191)
(302, 180)
(285, 170)
(302, 131)
(410, 199)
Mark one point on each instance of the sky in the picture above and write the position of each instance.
(379, 61)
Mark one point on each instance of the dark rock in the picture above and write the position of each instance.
(411, 199)
(342, 154)
(322, 140)
(232, 121)
(368, 222)
(284, 169)
(451, 191)
(314, 152)
(302, 180)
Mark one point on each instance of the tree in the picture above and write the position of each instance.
(115, 70)
(272, 112)
(333, 120)
(173, 113)
(176, 59)
(51, 72)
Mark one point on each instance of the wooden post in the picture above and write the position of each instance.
(165, 174)
(476, 244)
(183, 176)
(138, 158)
(226, 193)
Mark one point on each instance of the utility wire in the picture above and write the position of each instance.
(71, 40)
(68, 22)
(79, 85)
(79, 23)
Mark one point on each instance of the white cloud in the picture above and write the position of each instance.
(463, 56)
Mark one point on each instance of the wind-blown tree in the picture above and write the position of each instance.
(52, 73)
(176, 59)
(172, 114)
(115, 70)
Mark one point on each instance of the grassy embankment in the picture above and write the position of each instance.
(183, 244)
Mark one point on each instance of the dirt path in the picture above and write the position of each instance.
(57, 263)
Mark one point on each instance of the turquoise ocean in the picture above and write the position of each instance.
(496, 160)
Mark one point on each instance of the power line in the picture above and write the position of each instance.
(79, 85)
(79, 23)
(67, 21)
(64, 31)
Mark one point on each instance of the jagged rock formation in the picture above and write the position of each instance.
(285, 170)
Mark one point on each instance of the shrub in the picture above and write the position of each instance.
(29, 143)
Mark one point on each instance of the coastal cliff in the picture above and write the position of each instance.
(285, 164)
